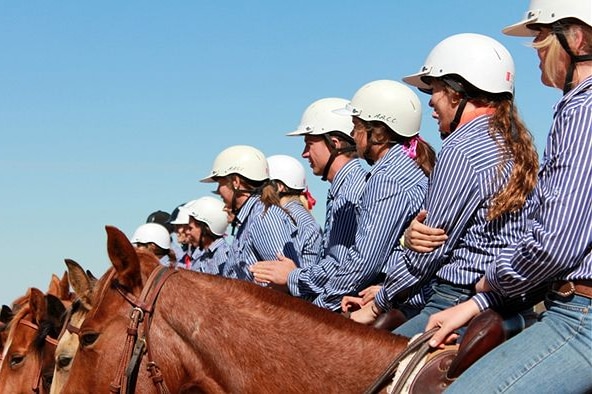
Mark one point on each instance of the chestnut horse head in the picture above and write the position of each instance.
(30, 344)
(82, 282)
(205, 333)
(6, 315)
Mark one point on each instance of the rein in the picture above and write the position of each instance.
(420, 347)
(137, 342)
(48, 339)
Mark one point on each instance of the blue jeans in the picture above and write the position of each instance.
(444, 297)
(554, 355)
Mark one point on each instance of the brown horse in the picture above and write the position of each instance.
(205, 333)
(6, 315)
(30, 344)
(57, 287)
(82, 282)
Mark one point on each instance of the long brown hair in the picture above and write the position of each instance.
(270, 195)
(516, 144)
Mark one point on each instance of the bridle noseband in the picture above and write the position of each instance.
(137, 342)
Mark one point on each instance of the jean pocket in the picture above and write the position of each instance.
(450, 294)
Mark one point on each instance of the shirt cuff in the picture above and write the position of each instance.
(293, 279)
(381, 301)
(487, 300)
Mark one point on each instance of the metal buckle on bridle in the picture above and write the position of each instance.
(140, 311)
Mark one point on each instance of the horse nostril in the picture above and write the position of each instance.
(64, 361)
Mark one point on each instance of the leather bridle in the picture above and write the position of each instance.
(53, 342)
(137, 342)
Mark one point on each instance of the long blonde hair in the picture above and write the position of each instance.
(551, 65)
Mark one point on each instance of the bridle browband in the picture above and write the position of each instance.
(138, 342)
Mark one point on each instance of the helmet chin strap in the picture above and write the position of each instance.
(234, 209)
(369, 143)
(558, 30)
(334, 152)
(459, 111)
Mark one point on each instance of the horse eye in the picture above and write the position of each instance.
(88, 339)
(15, 360)
(64, 361)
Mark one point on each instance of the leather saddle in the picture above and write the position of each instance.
(486, 331)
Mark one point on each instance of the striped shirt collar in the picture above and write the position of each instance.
(394, 154)
(214, 245)
(246, 208)
(341, 176)
(584, 85)
(464, 129)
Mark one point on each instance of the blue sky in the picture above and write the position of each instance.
(110, 110)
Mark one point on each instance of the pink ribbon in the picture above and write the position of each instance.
(309, 199)
(410, 147)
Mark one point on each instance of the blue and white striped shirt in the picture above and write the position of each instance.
(340, 229)
(309, 239)
(465, 179)
(212, 259)
(261, 235)
(558, 243)
(393, 194)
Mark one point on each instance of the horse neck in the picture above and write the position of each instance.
(231, 336)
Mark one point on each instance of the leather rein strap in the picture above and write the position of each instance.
(420, 347)
(137, 342)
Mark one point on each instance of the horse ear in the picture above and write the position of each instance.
(124, 258)
(54, 285)
(91, 276)
(37, 304)
(6, 314)
(64, 293)
(80, 282)
(54, 312)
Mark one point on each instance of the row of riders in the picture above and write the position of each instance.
(433, 241)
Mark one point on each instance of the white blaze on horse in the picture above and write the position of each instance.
(82, 283)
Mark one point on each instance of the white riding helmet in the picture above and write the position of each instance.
(183, 214)
(243, 160)
(319, 119)
(550, 11)
(387, 101)
(210, 211)
(152, 233)
(478, 59)
(288, 170)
